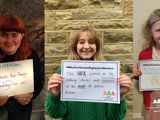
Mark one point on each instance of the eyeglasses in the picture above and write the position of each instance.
(11, 34)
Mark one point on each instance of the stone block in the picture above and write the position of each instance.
(55, 50)
(56, 37)
(111, 24)
(128, 10)
(123, 58)
(49, 20)
(118, 48)
(64, 15)
(70, 24)
(61, 4)
(52, 4)
(100, 13)
(100, 3)
(114, 36)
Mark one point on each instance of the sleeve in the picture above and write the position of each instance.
(116, 111)
(38, 74)
(54, 107)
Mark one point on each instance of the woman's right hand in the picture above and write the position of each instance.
(54, 84)
(136, 72)
(3, 100)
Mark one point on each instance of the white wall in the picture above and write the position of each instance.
(141, 11)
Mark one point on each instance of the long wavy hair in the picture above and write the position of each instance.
(73, 55)
(149, 40)
(14, 23)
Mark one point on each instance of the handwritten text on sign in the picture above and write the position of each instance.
(90, 81)
(150, 78)
(16, 77)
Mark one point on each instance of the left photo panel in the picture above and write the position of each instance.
(22, 60)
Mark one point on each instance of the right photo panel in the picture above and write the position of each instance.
(146, 52)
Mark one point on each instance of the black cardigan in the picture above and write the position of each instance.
(14, 110)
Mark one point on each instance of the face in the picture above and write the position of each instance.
(155, 30)
(10, 41)
(86, 46)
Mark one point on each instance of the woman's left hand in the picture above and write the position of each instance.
(125, 85)
(24, 99)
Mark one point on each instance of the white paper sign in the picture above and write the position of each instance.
(16, 77)
(150, 78)
(90, 81)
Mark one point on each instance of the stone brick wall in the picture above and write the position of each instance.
(112, 19)
(32, 14)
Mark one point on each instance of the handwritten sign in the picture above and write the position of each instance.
(16, 77)
(150, 78)
(90, 81)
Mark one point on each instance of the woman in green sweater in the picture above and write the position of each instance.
(86, 46)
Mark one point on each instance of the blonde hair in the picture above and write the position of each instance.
(73, 48)
(154, 17)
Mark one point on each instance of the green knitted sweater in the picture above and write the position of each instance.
(83, 110)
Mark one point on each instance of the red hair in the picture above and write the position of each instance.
(14, 23)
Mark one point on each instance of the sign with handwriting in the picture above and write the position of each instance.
(150, 78)
(16, 77)
(90, 81)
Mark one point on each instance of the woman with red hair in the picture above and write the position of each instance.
(14, 47)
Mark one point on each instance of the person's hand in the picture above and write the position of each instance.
(125, 85)
(3, 100)
(136, 72)
(24, 99)
(54, 84)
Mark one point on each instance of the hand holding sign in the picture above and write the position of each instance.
(54, 84)
(125, 85)
(24, 99)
